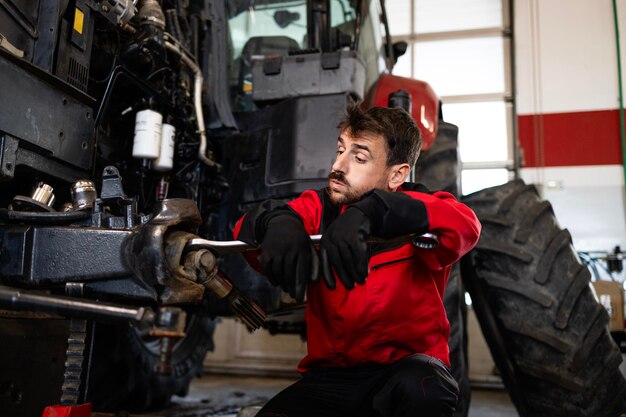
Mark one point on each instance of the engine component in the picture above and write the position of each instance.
(205, 265)
(83, 194)
(119, 12)
(170, 326)
(147, 141)
(41, 199)
(145, 52)
(43, 194)
(165, 161)
(150, 13)
(197, 99)
(162, 188)
(150, 251)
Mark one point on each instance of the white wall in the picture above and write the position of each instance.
(566, 55)
(566, 63)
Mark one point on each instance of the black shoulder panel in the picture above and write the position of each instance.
(420, 188)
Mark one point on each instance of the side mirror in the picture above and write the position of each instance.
(398, 49)
(284, 18)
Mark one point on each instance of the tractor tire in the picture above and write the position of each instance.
(546, 331)
(439, 169)
(456, 310)
(123, 373)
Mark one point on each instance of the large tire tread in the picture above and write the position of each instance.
(438, 168)
(124, 376)
(555, 333)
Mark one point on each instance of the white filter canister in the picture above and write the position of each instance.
(147, 143)
(165, 161)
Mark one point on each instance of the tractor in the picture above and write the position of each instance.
(133, 135)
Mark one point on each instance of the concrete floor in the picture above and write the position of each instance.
(224, 396)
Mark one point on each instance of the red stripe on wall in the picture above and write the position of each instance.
(566, 139)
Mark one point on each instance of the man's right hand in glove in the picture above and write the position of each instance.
(344, 247)
(287, 254)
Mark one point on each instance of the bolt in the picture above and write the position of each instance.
(204, 259)
(166, 317)
(164, 366)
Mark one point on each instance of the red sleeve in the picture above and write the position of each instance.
(455, 225)
(309, 208)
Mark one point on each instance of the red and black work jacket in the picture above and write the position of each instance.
(399, 310)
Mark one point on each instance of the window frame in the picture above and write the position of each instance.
(512, 163)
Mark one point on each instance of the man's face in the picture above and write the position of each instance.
(360, 166)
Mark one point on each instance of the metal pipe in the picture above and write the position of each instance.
(174, 47)
(13, 299)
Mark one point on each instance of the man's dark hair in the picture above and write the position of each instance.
(403, 139)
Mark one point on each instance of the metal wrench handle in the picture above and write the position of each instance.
(226, 247)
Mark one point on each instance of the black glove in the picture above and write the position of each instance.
(344, 246)
(380, 213)
(287, 254)
(393, 214)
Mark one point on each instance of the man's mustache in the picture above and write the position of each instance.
(338, 176)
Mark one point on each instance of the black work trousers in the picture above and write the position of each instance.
(416, 386)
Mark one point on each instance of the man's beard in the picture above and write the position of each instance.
(348, 196)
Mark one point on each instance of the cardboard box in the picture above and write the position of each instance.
(611, 296)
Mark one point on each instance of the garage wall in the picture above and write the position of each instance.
(568, 113)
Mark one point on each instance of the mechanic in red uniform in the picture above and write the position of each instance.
(377, 332)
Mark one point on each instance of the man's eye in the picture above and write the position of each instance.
(359, 160)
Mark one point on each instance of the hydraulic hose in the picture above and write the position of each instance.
(197, 87)
(44, 217)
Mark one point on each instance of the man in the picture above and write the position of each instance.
(377, 339)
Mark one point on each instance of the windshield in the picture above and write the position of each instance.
(262, 28)
(280, 18)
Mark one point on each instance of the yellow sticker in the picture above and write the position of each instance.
(79, 18)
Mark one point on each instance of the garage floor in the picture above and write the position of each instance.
(223, 396)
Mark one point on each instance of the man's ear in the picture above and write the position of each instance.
(397, 175)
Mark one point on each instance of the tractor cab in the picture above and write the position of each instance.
(283, 49)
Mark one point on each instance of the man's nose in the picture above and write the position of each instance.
(340, 164)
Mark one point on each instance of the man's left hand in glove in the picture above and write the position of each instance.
(379, 213)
